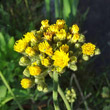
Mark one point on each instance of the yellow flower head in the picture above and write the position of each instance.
(45, 23)
(88, 48)
(75, 28)
(60, 23)
(20, 45)
(61, 34)
(64, 48)
(30, 51)
(34, 70)
(75, 38)
(60, 58)
(26, 83)
(29, 36)
(69, 36)
(34, 64)
(45, 62)
(45, 48)
(48, 35)
(54, 28)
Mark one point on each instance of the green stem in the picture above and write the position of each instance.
(10, 90)
(55, 88)
(64, 98)
(80, 90)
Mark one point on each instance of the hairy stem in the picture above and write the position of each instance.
(64, 98)
(55, 89)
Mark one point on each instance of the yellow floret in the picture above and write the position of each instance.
(26, 83)
(60, 58)
(45, 62)
(29, 36)
(61, 34)
(48, 35)
(45, 23)
(30, 51)
(64, 48)
(34, 70)
(20, 45)
(45, 48)
(60, 23)
(88, 48)
(75, 38)
(54, 28)
(75, 28)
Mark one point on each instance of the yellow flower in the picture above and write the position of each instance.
(69, 36)
(45, 48)
(54, 28)
(45, 62)
(60, 58)
(34, 70)
(30, 51)
(26, 83)
(20, 45)
(60, 23)
(88, 48)
(48, 35)
(75, 38)
(29, 36)
(64, 48)
(45, 23)
(61, 34)
(75, 28)
(34, 64)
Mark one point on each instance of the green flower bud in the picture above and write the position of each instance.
(77, 45)
(70, 95)
(26, 72)
(73, 59)
(81, 38)
(39, 87)
(24, 61)
(97, 51)
(36, 59)
(73, 67)
(39, 80)
(59, 44)
(85, 57)
(45, 89)
(42, 87)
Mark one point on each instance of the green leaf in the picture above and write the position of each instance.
(106, 107)
(74, 6)
(3, 91)
(11, 42)
(66, 9)
(5, 100)
(2, 42)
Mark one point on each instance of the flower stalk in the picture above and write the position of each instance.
(55, 90)
(64, 98)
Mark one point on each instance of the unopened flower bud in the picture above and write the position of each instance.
(81, 38)
(42, 87)
(59, 44)
(97, 51)
(73, 59)
(70, 95)
(77, 45)
(24, 61)
(85, 57)
(73, 67)
(26, 72)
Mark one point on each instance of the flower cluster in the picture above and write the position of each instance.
(54, 47)
(70, 95)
